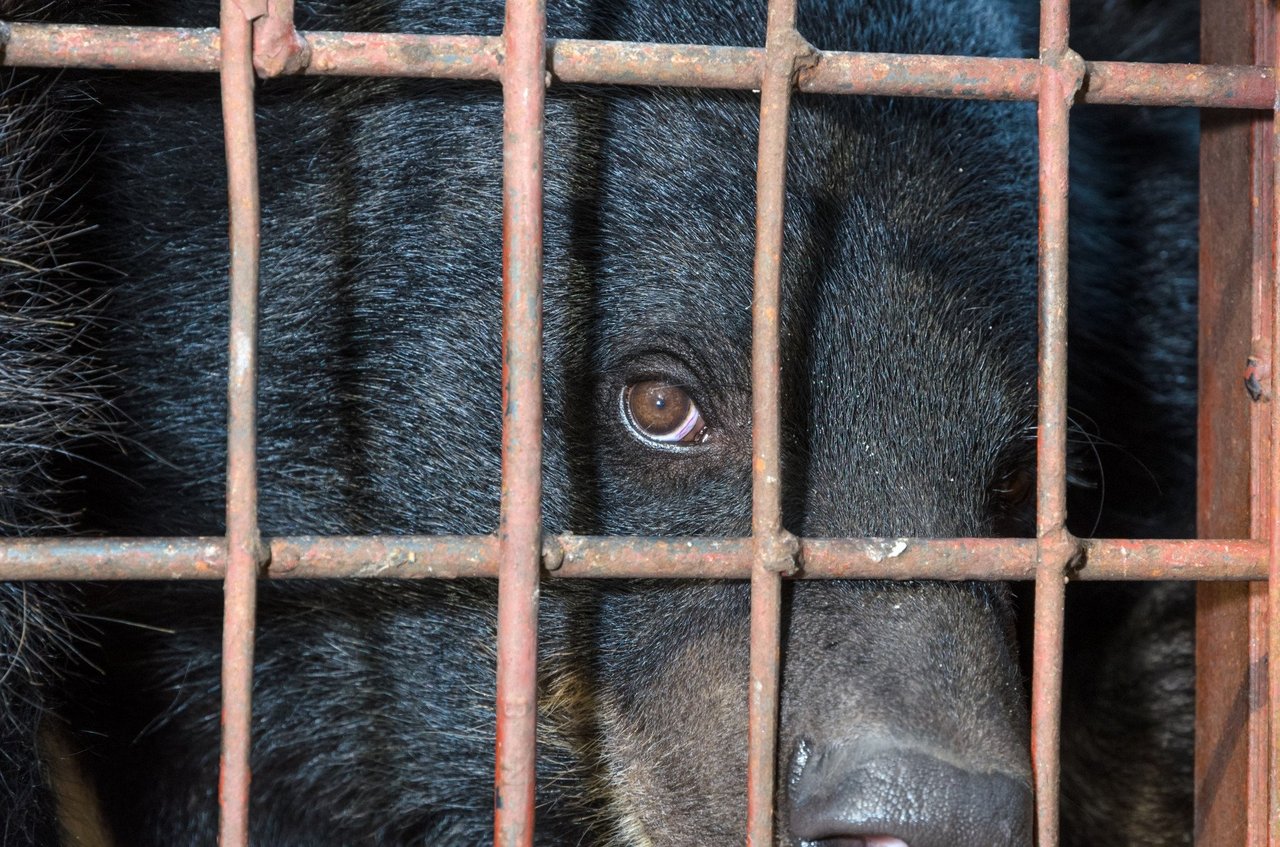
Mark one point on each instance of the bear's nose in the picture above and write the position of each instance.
(875, 793)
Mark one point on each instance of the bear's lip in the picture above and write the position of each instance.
(872, 793)
(859, 841)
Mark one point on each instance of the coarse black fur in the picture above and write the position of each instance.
(1130, 648)
(50, 406)
(908, 349)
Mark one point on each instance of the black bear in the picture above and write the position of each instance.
(909, 394)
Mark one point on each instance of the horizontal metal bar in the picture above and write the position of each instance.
(591, 557)
(628, 63)
(129, 48)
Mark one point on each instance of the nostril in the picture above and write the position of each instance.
(874, 793)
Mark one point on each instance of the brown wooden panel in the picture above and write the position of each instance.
(1235, 225)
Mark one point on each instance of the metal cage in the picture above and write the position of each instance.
(1238, 799)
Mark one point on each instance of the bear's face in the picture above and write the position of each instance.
(907, 342)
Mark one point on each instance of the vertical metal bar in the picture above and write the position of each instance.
(782, 46)
(242, 485)
(1232, 736)
(520, 523)
(1060, 76)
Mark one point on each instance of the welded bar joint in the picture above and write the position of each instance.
(278, 47)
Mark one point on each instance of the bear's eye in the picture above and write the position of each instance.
(658, 411)
(1016, 487)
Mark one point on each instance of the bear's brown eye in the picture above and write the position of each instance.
(661, 412)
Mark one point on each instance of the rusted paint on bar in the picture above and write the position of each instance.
(198, 51)
(630, 63)
(1062, 73)
(966, 77)
(676, 65)
(1221, 86)
(904, 75)
(242, 483)
(435, 56)
(762, 704)
(112, 47)
(588, 557)
(520, 521)
(772, 547)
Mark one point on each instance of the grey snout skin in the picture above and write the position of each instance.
(875, 793)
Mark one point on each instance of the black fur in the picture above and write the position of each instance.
(1130, 648)
(909, 349)
(50, 406)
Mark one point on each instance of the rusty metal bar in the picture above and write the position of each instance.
(520, 522)
(438, 56)
(628, 63)
(278, 48)
(586, 557)
(784, 49)
(1061, 76)
(1202, 86)
(111, 47)
(1232, 736)
(242, 476)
